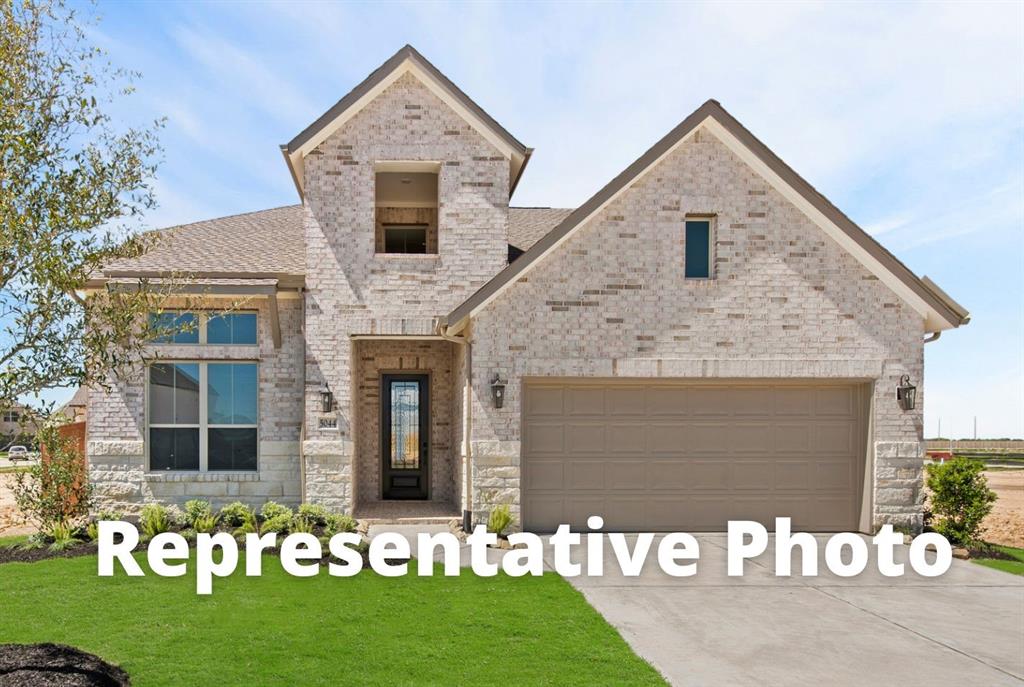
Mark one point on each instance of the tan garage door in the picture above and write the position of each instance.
(670, 455)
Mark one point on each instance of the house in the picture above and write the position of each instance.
(705, 338)
(75, 409)
(18, 425)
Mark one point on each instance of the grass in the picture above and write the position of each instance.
(277, 629)
(12, 540)
(1015, 566)
(13, 469)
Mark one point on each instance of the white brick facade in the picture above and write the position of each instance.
(786, 301)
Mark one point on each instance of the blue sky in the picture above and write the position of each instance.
(909, 117)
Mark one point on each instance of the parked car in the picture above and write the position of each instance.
(18, 453)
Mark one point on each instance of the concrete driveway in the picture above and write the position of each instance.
(963, 628)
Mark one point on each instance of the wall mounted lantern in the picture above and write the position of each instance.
(498, 390)
(326, 399)
(906, 393)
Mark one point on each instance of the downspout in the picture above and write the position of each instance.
(467, 425)
(302, 426)
(934, 337)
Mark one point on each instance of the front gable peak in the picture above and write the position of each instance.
(406, 61)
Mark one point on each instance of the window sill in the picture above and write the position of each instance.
(408, 256)
(198, 476)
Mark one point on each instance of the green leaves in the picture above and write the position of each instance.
(72, 185)
(960, 498)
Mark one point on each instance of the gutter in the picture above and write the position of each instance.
(934, 336)
(443, 330)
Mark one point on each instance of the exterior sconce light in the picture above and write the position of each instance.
(498, 390)
(906, 393)
(326, 399)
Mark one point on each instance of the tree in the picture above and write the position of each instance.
(73, 187)
(960, 499)
(55, 492)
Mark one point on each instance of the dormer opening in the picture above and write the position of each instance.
(406, 207)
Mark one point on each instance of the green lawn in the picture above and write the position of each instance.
(281, 630)
(1015, 566)
(12, 539)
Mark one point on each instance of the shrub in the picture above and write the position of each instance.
(196, 509)
(275, 511)
(960, 499)
(56, 490)
(499, 519)
(280, 523)
(339, 522)
(154, 520)
(235, 514)
(313, 513)
(63, 536)
(250, 523)
(301, 524)
(92, 529)
(205, 524)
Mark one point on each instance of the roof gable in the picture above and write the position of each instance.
(938, 311)
(405, 61)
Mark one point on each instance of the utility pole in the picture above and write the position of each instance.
(975, 427)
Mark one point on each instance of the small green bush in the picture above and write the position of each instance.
(280, 523)
(272, 510)
(300, 524)
(960, 499)
(205, 524)
(250, 524)
(154, 519)
(63, 536)
(195, 510)
(313, 513)
(499, 519)
(339, 522)
(235, 514)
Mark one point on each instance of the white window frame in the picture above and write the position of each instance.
(203, 317)
(204, 425)
(712, 233)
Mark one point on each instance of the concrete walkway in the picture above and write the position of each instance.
(963, 628)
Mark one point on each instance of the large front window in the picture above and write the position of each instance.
(203, 416)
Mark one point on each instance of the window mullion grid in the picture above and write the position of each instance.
(204, 458)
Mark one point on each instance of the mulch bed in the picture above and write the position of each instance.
(19, 554)
(56, 665)
(990, 553)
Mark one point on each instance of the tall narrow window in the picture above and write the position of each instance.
(698, 249)
(174, 416)
(231, 416)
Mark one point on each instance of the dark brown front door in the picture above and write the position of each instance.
(405, 436)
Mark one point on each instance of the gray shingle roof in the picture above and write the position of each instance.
(266, 241)
(527, 225)
(271, 242)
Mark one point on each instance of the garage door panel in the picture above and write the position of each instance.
(543, 400)
(792, 475)
(834, 400)
(586, 438)
(660, 455)
(743, 437)
(623, 438)
(626, 401)
(584, 401)
(667, 400)
(662, 438)
(545, 475)
(670, 474)
(707, 438)
(545, 438)
(792, 438)
(627, 475)
(709, 474)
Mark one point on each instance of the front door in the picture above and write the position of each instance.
(405, 436)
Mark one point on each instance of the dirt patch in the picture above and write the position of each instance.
(1005, 524)
(56, 665)
(10, 517)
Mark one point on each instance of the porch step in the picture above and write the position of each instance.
(408, 520)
